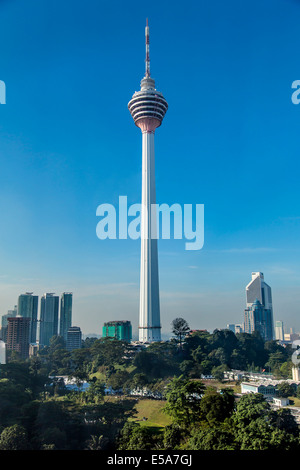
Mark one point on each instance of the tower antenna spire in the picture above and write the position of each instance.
(147, 74)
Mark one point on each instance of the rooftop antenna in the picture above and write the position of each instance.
(147, 74)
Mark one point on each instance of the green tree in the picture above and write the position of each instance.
(183, 401)
(284, 420)
(275, 360)
(82, 361)
(180, 329)
(88, 342)
(216, 407)
(57, 386)
(197, 338)
(139, 380)
(217, 437)
(261, 435)
(152, 364)
(97, 443)
(256, 426)
(53, 437)
(60, 360)
(56, 342)
(187, 368)
(118, 380)
(172, 437)
(38, 376)
(12, 398)
(95, 392)
(285, 370)
(249, 408)
(225, 341)
(135, 437)
(61, 419)
(108, 352)
(218, 372)
(250, 350)
(14, 438)
(286, 390)
(108, 418)
(17, 373)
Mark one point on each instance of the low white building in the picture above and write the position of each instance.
(267, 389)
(234, 374)
(280, 401)
(71, 383)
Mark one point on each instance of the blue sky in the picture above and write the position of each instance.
(230, 140)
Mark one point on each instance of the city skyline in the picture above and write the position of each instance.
(234, 149)
(65, 315)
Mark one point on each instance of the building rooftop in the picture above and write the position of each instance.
(273, 383)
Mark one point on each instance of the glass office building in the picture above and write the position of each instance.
(258, 318)
(49, 318)
(258, 289)
(65, 322)
(28, 308)
(74, 337)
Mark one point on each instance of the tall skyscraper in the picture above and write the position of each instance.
(258, 289)
(65, 322)
(18, 335)
(148, 108)
(2, 352)
(258, 318)
(48, 318)
(28, 307)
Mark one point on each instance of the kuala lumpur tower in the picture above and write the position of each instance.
(148, 107)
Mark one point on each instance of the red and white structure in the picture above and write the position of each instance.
(148, 107)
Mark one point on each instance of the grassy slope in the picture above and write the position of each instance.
(152, 410)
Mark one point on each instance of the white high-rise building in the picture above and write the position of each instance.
(279, 331)
(2, 352)
(258, 289)
(296, 374)
(148, 107)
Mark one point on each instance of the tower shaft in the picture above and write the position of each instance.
(149, 316)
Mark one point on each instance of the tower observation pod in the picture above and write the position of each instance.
(148, 108)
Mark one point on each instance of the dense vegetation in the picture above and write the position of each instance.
(38, 412)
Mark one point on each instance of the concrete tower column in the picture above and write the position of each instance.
(149, 317)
